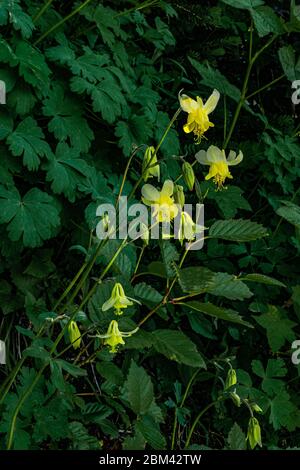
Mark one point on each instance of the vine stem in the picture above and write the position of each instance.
(199, 416)
(42, 11)
(61, 22)
(181, 406)
(251, 61)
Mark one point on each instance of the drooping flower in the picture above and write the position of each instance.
(162, 201)
(114, 336)
(218, 163)
(187, 228)
(231, 379)
(74, 334)
(178, 194)
(150, 165)
(254, 434)
(198, 121)
(118, 300)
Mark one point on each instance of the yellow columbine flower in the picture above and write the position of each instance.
(150, 165)
(218, 163)
(162, 201)
(74, 334)
(114, 336)
(187, 228)
(118, 300)
(198, 121)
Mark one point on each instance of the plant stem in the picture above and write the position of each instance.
(243, 98)
(181, 406)
(61, 22)
(265, 86)
(197, 420)
(42, 11)
(139, 260)
(19, 406)
(70, 286)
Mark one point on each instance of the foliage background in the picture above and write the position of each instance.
(80, 98)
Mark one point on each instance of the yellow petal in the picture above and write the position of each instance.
(212, 101)
(150, 193)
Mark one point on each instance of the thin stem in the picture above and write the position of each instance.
(19, 406)
(181, 406)
(61, 22)
(155, 152)
(242, 100)
(42, 11)
(70, 286)
(139, 260)
(265, 86)
(199, 416)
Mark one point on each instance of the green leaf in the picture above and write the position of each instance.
(229, 201)
(266, 21)
(32, 218)
(288, 62)
(132, 133)
(139, 389)
(178, 347)
(151, 433)
(66, 171)
(147, 294)
(229, 286)
(236, 438)
(73, 370)
(195, 279)
(67, 121)
(32, 66)
(6, 125)
(290, 212)
(218, 312)
(27, 140)
(214, 79)
(11, 12)
(283, 413)
(279, 328)
(244, 4)
(237, 230)
(275, 368)
(169, 256)
(262, 279)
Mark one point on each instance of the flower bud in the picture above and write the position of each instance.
(254, 434)
(74, 334)
(235, 398)
(150, 167)
(256, 408)
(188, 175)
(179, 196)
(230, 379)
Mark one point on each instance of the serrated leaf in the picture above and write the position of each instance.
(147, 294)
(151, 433)
(218, 312)
(27, 141)
(67, 121)
(290, 212)
(275, 368)
(214, 79)
(229, 201)
(169, 256)
(262, 279)
(266, 21)
(229, 286)
(288, 62)
(236, 438)
(11, 12)
(283, 413)
(178, 347)
(279, 328)
(244, 4)
(32, 66)
(139, 389)
(32, 218)
(195, 279)
(239, 230)
(66, 171)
